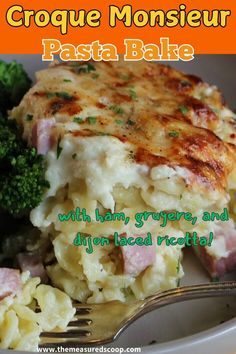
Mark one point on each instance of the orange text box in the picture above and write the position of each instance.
(28, 40)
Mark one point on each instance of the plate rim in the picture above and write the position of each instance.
(197, 339)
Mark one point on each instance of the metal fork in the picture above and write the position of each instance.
(98, 324)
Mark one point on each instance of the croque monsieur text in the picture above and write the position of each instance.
(17, 16)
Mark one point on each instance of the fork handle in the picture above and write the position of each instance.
(184, 293)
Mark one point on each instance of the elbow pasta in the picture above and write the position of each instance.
(20, 325)
(98, 277)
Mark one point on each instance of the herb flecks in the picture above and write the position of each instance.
(64, 95)
(119, 121)
(125, 77)
(95, 76)
(78, 120)
(59, 148)
(91, 120)
(133, 94)
(116, 109)
(74, 156)
(50, 94)
(184, 110)
(130, 122)
(29, 117)
(85, 68)
(67, 80)
(173, 134)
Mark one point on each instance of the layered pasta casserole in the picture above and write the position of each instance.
(120, 137)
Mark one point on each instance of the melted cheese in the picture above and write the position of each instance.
(151, 107)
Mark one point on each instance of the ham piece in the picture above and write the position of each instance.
(42, 138)
(10, 282)
(225, 236)
(137, 258)
(34, 264)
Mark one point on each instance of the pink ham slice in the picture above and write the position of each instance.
(137, 258)
(10, 282)
(219, 266)
(34, 264)
(42, 138)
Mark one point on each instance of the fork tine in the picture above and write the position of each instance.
(81, 322)
(93, 324)
(82, 311)
(72, 333)
(76, 329)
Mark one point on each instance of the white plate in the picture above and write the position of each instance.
(196, 326)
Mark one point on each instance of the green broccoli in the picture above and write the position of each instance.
(9, 142)
(22, 181)
(14, 83)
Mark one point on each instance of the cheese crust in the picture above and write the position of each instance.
(167, 117)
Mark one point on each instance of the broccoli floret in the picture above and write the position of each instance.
(14, 83)
(9, 144)
(22, 181)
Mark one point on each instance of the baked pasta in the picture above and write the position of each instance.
(129, 137)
